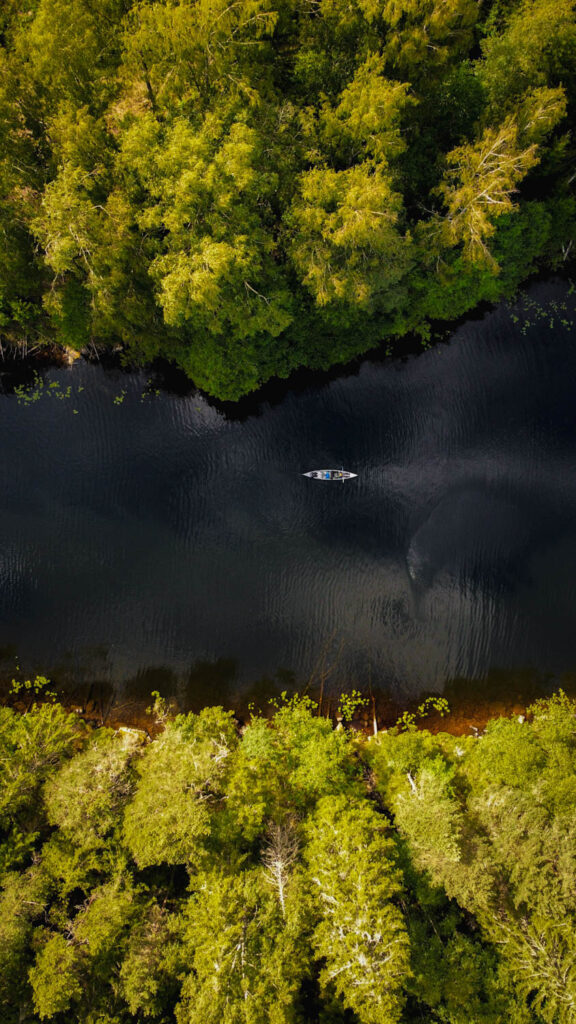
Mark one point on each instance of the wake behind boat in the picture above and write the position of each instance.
(330, 474)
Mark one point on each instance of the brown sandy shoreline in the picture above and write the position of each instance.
(468, 714)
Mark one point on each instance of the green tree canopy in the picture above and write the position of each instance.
(243, 188)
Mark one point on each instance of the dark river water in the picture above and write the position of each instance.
(156, 541)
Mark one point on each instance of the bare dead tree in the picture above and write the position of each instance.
(279, 857)
(372, 701)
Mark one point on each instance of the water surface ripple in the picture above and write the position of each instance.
(159, 533)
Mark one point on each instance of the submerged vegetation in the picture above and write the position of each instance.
(247, 187)
(288, 873)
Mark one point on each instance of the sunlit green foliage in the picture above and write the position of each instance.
(85, 798)
(288, 873)
(31, 748)
(247, 187)
(282, 768)
(492, 822)
(248, 960)
(360, 938)
(180, 780)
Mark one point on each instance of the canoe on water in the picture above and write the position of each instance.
(330, 474)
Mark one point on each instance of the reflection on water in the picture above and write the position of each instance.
(157, 542)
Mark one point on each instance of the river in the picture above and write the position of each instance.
(153, 540)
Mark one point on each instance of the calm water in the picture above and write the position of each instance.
(157, 541)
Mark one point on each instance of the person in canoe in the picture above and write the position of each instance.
(330, 474)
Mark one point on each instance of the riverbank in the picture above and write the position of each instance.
(468, 711)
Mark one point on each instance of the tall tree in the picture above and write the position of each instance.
(361, 938)
(180, 782)
(249, 959)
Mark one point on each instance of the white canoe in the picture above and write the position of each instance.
(330, 474)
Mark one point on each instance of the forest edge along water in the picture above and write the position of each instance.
(157, 541)
(327, 184)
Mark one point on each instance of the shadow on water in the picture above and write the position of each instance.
(520, 686)
(472, 701)
(171, 379)
(172, 544)
(209, 682)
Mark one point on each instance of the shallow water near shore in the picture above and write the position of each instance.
(153, 540)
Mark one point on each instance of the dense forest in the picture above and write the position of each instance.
(246, 186)
(287, 872)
